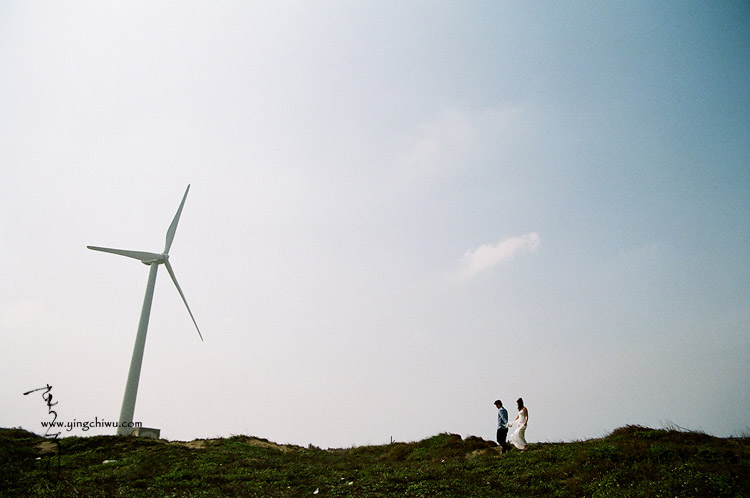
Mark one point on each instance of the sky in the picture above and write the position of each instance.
(398, 213)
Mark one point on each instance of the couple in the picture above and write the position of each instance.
(518, 438)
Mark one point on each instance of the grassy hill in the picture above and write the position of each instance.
(632, 461)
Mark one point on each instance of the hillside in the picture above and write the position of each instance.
(631, 461)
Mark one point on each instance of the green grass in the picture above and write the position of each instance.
(631, 461)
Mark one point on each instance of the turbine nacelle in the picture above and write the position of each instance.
(157, 260)
(161, 259)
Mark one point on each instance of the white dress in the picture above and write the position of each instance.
(518, 438)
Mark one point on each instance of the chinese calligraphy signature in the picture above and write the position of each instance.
(47, 397)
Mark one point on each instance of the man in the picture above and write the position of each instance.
(502, 425)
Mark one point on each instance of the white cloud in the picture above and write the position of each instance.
(488, 255)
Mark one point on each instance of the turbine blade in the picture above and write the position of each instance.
(174, 279)
(173, 226)
(145, 257)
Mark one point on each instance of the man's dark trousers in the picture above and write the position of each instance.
(502, 435)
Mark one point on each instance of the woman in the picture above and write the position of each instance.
(518, 438)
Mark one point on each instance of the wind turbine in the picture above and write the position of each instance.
(153, 260)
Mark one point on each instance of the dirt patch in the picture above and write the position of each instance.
(196, 444)
(262, 443)
(201, 444)
(486, 452)
(46, 447)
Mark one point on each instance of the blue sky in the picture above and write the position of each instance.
(399, 212)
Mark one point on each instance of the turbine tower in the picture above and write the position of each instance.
(153, 260)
